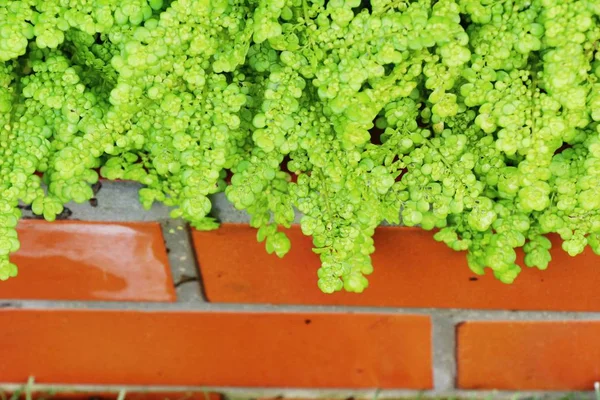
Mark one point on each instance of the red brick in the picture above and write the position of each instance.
(411, 270)
(73, 260)
(328, 350)
(528, 355)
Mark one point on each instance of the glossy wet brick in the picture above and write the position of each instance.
(73, 260)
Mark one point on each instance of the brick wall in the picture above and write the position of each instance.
(119, 297)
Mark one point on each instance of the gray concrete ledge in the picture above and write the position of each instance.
(119, 201)
(316, 393)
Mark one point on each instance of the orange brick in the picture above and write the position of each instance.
(327, 350)
(72, 260)
(528, 355)
(411, 270)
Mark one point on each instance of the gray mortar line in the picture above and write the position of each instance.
(224, 211)
(454, 316)
(311, 393)
(443, 343)
(115, 202)
(119, 202)
(182, 261)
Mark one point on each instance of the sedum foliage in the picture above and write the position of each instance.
(486, 115)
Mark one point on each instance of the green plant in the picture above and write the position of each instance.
(475, 117)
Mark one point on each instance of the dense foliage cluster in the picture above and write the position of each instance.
(486, 113)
